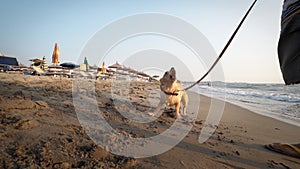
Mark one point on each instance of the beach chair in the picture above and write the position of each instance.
(38, 70)
(102, 76)
(85, 75)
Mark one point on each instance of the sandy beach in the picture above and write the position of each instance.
(39, 129)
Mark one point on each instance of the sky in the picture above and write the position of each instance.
(29, 29)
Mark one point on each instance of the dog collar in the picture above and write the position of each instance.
(170, 93)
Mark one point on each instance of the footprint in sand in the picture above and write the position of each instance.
(27, 124)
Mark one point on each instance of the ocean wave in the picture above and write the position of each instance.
(274, 100)
(246, 92)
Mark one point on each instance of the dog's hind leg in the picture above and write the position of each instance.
(185, 101)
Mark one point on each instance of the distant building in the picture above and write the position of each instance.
(56, 55)
(8, 61)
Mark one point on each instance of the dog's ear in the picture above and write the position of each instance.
(172, 73)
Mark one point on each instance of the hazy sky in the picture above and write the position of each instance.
(29, 29)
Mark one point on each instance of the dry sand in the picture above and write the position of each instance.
(39, 129)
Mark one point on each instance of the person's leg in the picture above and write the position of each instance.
(289, 50)
(289, 59)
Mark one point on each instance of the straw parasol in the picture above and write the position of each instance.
(126, 69)
(143, 74)
(115, 66)
(132, 71)
(122, 73)
(56, 55)
(94, 67)
(36, 60)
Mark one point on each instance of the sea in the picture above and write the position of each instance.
(277, 101)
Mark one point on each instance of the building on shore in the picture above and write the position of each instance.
(10, 61)
(6, 62)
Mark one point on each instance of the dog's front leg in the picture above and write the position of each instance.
(177, 108)
(162, 102)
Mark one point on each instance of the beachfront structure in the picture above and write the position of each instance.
(6, 62)
(115, 66)
(9, 61)
(56, 55)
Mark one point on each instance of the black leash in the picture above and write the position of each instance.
(225, 48)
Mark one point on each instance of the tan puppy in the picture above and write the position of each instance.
(173, 91)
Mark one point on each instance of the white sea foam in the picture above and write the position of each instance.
(274, 100)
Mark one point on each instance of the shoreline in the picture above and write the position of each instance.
(40, 129)
(282, 119)
(277, 101)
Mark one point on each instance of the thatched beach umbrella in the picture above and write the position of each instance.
(115, 66)
(56, 55)
(143, 74)
(94, 67)
(36, 60)
(131, 70)
(122, 73)
(125, 69)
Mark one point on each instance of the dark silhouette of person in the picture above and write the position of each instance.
(289, 59)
